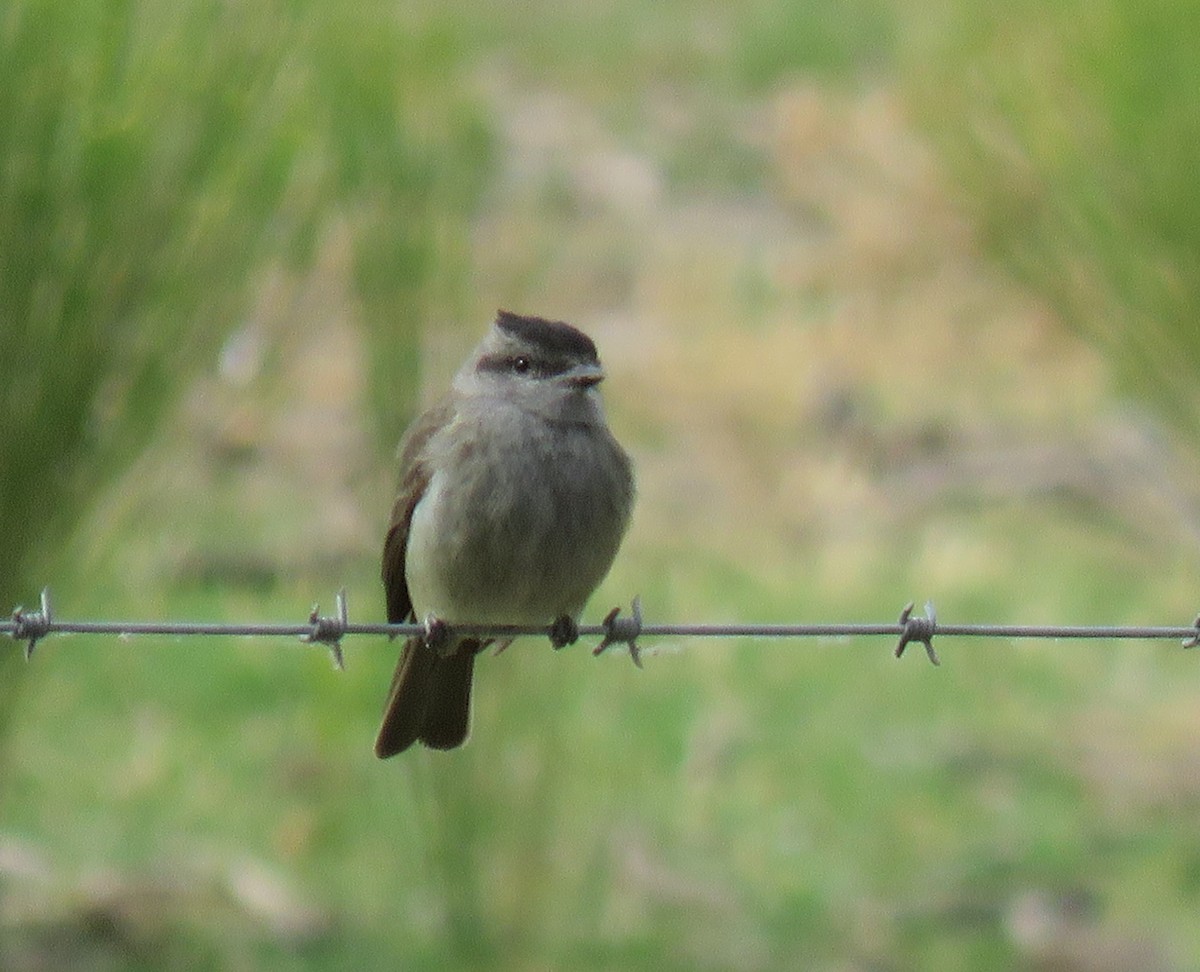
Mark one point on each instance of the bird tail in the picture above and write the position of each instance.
(430, 698)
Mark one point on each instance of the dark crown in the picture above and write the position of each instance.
(552, 337)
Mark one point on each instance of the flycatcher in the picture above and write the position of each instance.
(513, 500)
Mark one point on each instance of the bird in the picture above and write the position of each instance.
(514, 497)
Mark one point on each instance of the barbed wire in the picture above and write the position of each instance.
(329, 630)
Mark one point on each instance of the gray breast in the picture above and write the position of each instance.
(536, 523)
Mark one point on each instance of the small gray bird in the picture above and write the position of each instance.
(514, 497)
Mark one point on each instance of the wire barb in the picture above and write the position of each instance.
(32, 626)
(1194, 640)
(329, 631)
(920, 630)
(618, 630)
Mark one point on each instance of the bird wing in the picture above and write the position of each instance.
(414, 479)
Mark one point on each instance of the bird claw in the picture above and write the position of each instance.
(564, 631)
(438, 635)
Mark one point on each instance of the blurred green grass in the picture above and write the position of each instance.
(155, 160)
(1070, 129)
(737, 805)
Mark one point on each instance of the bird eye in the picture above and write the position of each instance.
(520, 364)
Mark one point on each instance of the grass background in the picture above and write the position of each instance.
(895, 306)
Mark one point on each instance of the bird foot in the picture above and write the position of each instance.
(438, 636)
(564, 631)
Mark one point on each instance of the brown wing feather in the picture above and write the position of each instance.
(414, 478)
(430, 695)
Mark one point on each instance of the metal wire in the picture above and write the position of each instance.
(328, 630)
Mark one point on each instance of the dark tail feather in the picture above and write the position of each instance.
(430, 699)
(448, 715)
(408, 698)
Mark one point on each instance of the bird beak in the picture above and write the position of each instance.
(585, 375)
